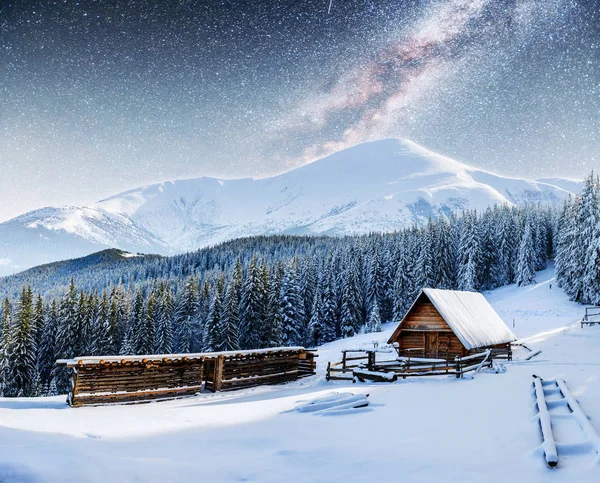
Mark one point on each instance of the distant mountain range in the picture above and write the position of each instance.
(377, 186)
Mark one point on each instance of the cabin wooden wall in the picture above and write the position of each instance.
(424, 328)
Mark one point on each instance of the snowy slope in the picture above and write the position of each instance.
(51, 234)
(377, 186)
(415, 430)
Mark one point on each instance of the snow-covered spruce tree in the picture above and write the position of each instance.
(444, 256)
(315, 326)
(118, 321)
(38, 319)
(573, 270)
(47, 348)
(328, 307)
(5, 337)
(374, 278)
(526, 258)
(82, 325)
(66, 337)
(136, 336)
(540, 239)
(374, 322)
(273, 335)
(388, 267)
(148, 326)
(202, 308)
(469, 255)
(308, 287)
(264, 332)
(22, 357)
(292, 305)
(591, 282)
(501, 270)
(230, 320)
(590, 233)
(212, 337)
(405, 290)
(92, 320)
(252, 308)
(186, 316)
(103, 343)
(426, 263)
(350, 316)
(488, 247)
(164, 327)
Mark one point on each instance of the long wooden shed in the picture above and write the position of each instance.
(450, 323)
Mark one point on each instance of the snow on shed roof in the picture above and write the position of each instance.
(471, 317)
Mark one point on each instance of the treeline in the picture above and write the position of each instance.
(265, 291)
(578, 244)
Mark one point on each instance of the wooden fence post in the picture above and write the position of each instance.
(218, 382)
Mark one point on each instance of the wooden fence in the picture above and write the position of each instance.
(364, 362)
(591, 317)
(105, 380)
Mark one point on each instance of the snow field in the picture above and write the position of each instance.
(414, 430)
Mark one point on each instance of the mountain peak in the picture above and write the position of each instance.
(375, 186)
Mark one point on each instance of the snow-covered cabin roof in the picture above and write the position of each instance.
(470, 316)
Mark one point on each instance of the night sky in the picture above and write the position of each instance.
(101, 96)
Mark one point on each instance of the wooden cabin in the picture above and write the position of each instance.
(443, 324)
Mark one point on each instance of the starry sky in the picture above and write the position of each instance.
(100, 96)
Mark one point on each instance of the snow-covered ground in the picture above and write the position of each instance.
(419, 430)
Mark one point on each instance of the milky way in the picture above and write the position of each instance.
(100, 96)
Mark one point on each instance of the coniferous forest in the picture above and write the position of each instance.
(281, 290)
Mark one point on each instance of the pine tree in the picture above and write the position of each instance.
(292, 306)
(66, 336)
(350, 314)
(22, 357)
(187, 317)
(103, 342)
(444, 268)
(374, 323)
(148, 326)
(37, 321)
(315, 325)
(328, 316)
(590, 233)
(230, 320)
(252, 308)
(118, 321)
(502, 270)
(47, 348)
(92, 320)
(469, 255)
(526, 258)
(136, 336)
(212, 338)
(82, 324)
(5, 338)
(273, 335)
(164, 328)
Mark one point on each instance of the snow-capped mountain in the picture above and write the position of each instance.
(377, 186)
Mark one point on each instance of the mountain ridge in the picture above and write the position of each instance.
(376, 186)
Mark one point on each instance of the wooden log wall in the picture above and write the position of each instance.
(131, 381)
(138, 380)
